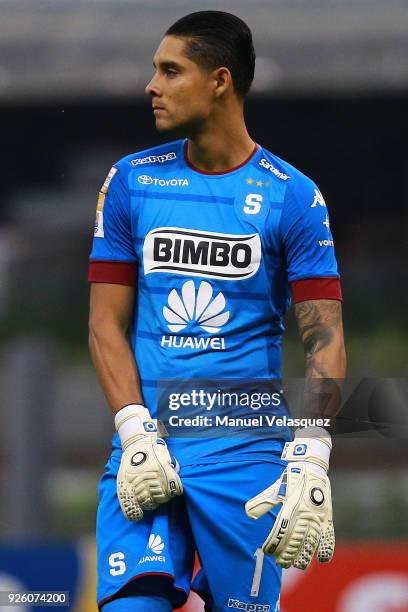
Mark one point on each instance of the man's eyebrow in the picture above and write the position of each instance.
(167, 64)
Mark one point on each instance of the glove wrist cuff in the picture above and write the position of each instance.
(131, 421)
(311, 445)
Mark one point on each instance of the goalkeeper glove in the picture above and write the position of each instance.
(147, 475)
(305, 521)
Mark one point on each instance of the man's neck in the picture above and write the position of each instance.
(220, 148)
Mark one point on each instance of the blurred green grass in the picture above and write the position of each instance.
(367, 505)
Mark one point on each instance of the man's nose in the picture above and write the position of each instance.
(152, 88)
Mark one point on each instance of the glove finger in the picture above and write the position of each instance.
(158, 495)
(140, 495)
(145, 501)
(265, 501)
(168, 481)
(177, 487)
(149, 504)
(284, 539)
(292, 543)
(152, 483)
(327, 543)
(155, 489)
(175, 464)
(172, 484)
(129, 504)
(307, 550)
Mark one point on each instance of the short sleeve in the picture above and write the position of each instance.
(308, 244)
(113, 257)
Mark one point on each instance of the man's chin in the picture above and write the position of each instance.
(163, 127)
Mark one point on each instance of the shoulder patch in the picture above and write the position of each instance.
(98, 232)
(107, 182)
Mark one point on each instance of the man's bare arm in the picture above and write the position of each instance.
(321, 330)
(305, 520)
(153, 480)
(111, 310)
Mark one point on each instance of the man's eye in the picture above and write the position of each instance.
(170, 72)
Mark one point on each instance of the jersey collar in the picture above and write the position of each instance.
(188, 162)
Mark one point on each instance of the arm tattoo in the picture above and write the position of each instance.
(321, 331)
(318, 321)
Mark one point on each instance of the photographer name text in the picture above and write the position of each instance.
(252, 422)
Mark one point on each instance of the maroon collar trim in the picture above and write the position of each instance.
(256, 147)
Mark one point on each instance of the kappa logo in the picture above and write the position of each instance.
(196, 307)
(155, 543)
(195, 253)
(145, 179)
(249, 607)
(318, 199)
(154, 159)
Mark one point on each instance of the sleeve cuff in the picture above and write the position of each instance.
(323, 288)
(116, 272)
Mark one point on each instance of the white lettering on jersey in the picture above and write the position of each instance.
(253, 203)
(145, 179)
(249, 607)
(194, 343)
(153, 159)
(265, 164)
(117, 564)
(191, 252)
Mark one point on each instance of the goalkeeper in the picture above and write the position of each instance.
(200, 244)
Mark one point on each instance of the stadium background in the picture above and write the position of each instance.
(330, 96)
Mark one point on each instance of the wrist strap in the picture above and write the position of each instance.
(129, 420)
(311, 444)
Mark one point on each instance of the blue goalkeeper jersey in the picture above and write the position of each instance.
(215, 257)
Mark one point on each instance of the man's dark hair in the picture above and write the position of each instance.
(219, 39)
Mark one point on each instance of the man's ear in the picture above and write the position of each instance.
(222, 80)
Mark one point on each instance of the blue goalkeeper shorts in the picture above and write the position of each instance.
(155, 556)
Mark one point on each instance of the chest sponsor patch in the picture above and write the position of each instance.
(192, 252)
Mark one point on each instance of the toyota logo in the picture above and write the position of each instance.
(145, 179)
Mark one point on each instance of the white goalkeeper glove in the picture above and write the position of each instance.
(147, 476)
(305, 521)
